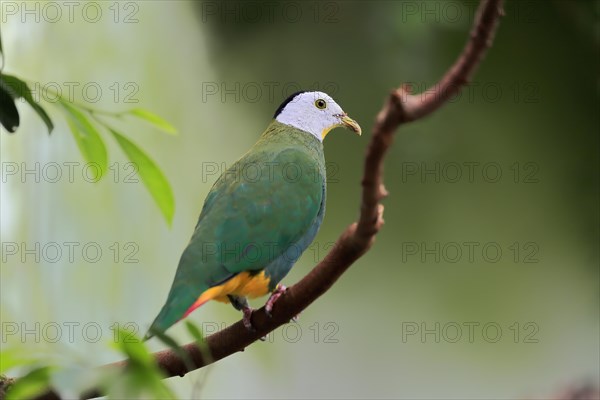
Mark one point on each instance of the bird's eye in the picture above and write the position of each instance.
(320, 104)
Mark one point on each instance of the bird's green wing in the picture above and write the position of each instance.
(260, 206)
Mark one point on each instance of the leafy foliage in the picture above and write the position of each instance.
(85, 123)
(33, 383)
(173, 345)
(13, 357)
(141, 376)
(36, 379)
(153, 119)
(87, 137)
(140, 379)
(20, 89)
(155, 181)
(198, 336)
(9, 116)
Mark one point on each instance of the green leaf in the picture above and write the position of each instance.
(141, 374)
(135, 383)
(194, 331)
(172, 343)
(9, 116)
(133, 348)
(87, 137)
(20, 89)
(151, 175)
(200, 340)
(32, 384)
(154, 120)
(13, 357)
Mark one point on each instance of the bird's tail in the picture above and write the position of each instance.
(165, 319)
(175, 309)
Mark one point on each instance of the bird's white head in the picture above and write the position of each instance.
(314, 112)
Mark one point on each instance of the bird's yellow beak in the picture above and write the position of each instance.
(346, 122)
(351, 124)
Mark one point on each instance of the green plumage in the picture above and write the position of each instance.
(260, 214)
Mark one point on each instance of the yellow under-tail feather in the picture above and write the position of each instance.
(243, 285)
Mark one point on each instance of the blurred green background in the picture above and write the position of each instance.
(484, 281)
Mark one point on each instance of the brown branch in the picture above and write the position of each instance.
(401, 107)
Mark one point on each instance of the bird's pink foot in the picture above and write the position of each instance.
(247, 318)
(279, 290)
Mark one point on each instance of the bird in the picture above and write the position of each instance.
(260, 214)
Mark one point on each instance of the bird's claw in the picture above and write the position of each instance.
(247, 311)
(247, 318)
(279, 290)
